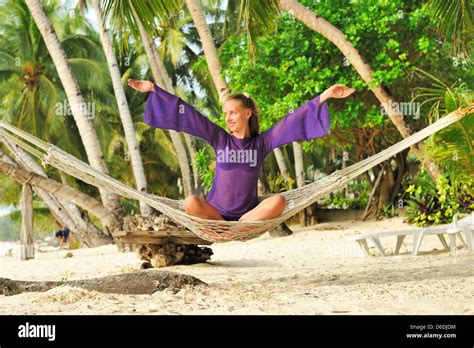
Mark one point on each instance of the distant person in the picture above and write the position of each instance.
(62, 236)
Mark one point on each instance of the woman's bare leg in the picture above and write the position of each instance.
(269, 208)
(197, 206)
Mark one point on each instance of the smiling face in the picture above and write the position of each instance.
(237, 116)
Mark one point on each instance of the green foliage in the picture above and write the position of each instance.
(356, 198)
(455, 20)
(297, 64)
(428, 203)
(389, 210)
(451, 147)
(203, 161)
(279, 183)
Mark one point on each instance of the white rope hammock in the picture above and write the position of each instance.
(219, 230)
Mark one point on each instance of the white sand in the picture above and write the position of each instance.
(311, 272)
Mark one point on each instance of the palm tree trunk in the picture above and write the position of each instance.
(157, 75)
(281, 163)
(60, 211)
(81, 113)
(124, 110)
(299, 171)
(208, 46)
(64, 210)
(27, 247)
(45, 186)
(337, 37)
(192, 152)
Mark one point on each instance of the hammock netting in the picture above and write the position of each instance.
(219, 230)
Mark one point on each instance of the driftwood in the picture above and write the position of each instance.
(26, 235)
(160, 227)
(142, 282)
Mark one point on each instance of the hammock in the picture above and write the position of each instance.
(220, 230)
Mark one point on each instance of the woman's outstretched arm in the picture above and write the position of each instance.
(311, 120)
(167, 111)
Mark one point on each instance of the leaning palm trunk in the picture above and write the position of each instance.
(59, 211)
(337, 37)
(124, 111)
(64, 210)
(82, 116)
(46, 187)
(157, 75)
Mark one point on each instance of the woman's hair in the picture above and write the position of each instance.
(248, 102)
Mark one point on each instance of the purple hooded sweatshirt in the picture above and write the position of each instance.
(238, 161)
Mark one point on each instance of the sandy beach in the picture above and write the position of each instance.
(314, 271)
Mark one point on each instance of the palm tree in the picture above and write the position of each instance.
(28, 87)
(28, 92)
(82, 115)
(28, 79)
(124, 111)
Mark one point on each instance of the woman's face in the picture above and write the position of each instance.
(236, 115)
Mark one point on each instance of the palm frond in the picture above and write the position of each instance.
(455, 22)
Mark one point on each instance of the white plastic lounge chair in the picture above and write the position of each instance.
(456, 228)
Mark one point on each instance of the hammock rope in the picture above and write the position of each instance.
(219, 230)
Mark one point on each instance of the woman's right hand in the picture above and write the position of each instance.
(142, 86)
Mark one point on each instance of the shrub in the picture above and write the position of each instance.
(428, 204)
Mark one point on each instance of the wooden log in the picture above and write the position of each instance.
(142, 282)
(132, 239)
(27, 249)
(160, 234)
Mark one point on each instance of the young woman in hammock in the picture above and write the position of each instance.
(241, 152)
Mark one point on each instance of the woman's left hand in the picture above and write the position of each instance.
(337, 91)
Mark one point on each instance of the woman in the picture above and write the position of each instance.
(241, 152)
